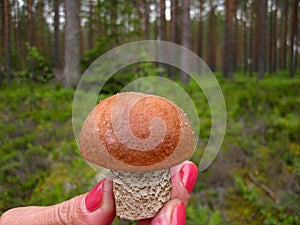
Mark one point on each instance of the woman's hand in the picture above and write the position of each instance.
(97, 207)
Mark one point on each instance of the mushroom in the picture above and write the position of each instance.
(139, 137)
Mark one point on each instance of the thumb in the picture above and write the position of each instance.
(96, 207)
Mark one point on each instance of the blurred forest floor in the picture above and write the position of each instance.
(255, 179)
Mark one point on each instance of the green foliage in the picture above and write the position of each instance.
(126, 75)
(203, 216)
(102, 45)
(34, 120)
(66, 180)
(272, 215)
(38, 68)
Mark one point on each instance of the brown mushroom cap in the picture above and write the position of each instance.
(136, 132)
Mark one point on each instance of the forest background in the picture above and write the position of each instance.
(251, 46)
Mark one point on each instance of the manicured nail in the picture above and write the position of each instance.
(93, 199)
(179, 214)
(188, 175)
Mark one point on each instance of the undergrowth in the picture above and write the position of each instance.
(40, 162)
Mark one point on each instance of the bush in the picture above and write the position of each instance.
(38, 68)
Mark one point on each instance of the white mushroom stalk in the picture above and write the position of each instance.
(140, 195)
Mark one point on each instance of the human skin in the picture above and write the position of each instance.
(97, 207)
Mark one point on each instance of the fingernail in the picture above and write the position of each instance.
(93, 199)
(188, 175)
(179, 214)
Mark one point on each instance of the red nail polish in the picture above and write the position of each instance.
(188, 175)
(93, 199)
(179, 215)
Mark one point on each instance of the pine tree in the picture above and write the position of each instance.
(72, 44)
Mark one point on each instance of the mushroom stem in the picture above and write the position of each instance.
(140, 195)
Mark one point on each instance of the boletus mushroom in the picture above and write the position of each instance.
(139, 137)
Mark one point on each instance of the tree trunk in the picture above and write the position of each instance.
(200, 31)
(282, 34)
(50, 38)
(157, 21)
(41, 26)
(256, 38)
(211, 38)
(7, 39)
(147, 19)
(262, 38)
(173, 21)
(16, 40)
(186, 37)
(284, 55)
(90, 25)
(57, 52)
(275, 39)
(30, 35)
(30, 31)
(297, 54)
(113, 23)
(161, 29)
(72, 44)
(228, 61)
(236, 42)
(20, 45)
(163, 25)
(251, 55)
(245, 38)
(179, 17)
(139, 7)
(173, 35)
(293, 35)
(2, 44)
(80, 28)
(271, 39)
